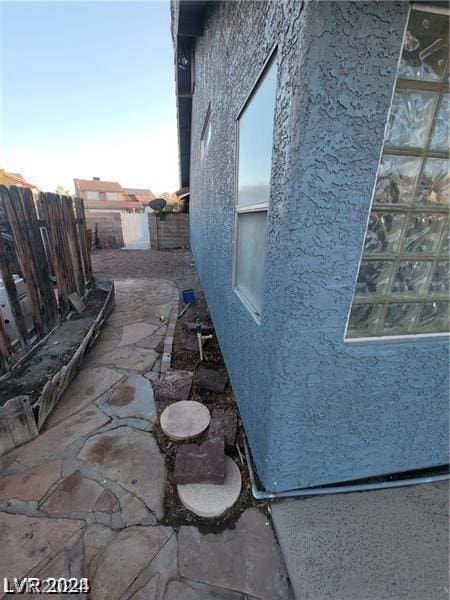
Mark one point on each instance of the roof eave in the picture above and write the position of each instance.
(187, 25)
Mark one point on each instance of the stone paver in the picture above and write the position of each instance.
(74, 494)
(201, 463)
(129, 357)
(134, 512)
(224, 420)
(191, 590)
(163, 568)
(106, 503)
(149, 591)
(133, 398)
(151, 341)
(136, 331)
(53, 442)
(84, 497)
(190, 344)
(208, 500)
(211, 380)
(174, 386)
(184, 420)
(30, 540)
(123, 559)
(30, 484)
(383, 545)
(132, 459)
(246, 559)
(88, 385)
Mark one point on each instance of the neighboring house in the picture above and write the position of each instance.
(314, 140)
(140, 195)
(15, 179)
(117, 213)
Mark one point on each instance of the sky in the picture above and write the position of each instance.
(87, 90)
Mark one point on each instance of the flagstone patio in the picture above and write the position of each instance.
(85, 498)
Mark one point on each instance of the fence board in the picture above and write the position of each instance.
(10, 287)
(40, 237)
(83, 238)
(51, 213)
(72, 237)
(42, 270)
(5, 346)
(18, 209)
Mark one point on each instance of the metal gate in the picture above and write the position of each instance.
(135, 231)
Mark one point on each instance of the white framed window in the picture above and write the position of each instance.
(92, 196)
(206, 135)
(253, 175)
(403, 281)
(112, 196)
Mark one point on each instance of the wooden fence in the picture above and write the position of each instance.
(43, 241)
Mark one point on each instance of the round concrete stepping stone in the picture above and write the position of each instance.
(185, 419)
(209, 500)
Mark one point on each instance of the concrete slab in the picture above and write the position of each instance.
(379, 545)
(184, 420)
(245, 559)
(209, 500)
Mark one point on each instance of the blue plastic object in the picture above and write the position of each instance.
(188, 296)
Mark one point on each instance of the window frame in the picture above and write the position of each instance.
(425, 153)
(256, 206)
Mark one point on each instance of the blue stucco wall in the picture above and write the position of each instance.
(316, 409)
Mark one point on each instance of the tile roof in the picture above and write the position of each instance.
(94, 185)
(15, 179)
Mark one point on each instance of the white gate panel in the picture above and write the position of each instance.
(135, 231)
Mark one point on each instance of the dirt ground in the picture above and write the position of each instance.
(175, 265)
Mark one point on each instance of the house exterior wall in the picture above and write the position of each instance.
(316, 409)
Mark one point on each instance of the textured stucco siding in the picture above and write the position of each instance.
(316, 409)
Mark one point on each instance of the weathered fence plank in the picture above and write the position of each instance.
(83, 238)
(72, 237)
(40, 262)
(30, 253)
(42, 239)
(10, 287)
(5, 346)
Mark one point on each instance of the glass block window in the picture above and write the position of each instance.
(403, 279)
(255, 141)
